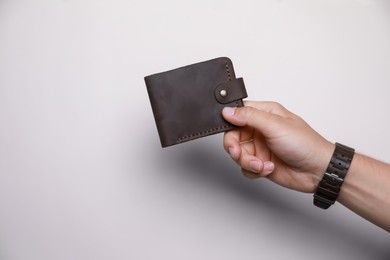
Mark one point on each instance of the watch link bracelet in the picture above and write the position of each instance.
(329, 187)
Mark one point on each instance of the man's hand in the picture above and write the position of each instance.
(275, 143)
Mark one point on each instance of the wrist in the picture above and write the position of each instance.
(324, 157)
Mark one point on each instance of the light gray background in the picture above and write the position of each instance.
(82, 173)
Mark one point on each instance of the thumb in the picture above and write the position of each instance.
(265, 122)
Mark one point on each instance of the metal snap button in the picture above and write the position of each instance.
(223, 93)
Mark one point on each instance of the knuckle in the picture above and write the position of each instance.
(278, 106)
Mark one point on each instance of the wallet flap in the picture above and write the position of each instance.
(230, 91)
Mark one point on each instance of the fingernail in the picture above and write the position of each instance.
(231, 152)
(268, 167)
(254, 166)
(229, 111)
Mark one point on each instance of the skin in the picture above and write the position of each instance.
(274, 143)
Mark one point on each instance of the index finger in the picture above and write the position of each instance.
(233, 139)
(269, 107)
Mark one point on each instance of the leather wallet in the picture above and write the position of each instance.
(187, 102)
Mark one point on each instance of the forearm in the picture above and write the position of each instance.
(366, 190)
(299, 155)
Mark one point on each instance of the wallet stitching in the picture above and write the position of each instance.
(212, 130)
(205, 132)
(228, 71)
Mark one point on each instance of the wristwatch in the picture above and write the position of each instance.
(329, 187)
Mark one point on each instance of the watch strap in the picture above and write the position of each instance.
(329, 187)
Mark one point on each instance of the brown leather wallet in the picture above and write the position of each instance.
(187, 102)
